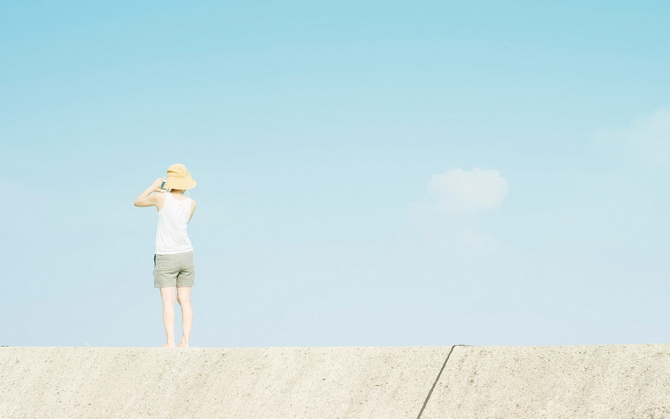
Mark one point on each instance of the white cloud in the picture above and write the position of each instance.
(449, 217)
(645, 138)
(458, 190)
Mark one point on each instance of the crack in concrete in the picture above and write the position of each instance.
(425, 403)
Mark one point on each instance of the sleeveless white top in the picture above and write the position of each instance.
(171, 235)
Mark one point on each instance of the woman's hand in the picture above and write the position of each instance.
(157, 184)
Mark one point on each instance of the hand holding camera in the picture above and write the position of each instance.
(159, 185)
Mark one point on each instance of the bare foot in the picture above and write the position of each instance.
(183, 344)
(169, 345)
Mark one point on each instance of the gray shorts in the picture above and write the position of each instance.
(174, 270)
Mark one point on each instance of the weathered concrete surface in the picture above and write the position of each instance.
(618, 381)
(48, 382)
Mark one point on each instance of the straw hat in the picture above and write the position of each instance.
(179, 178)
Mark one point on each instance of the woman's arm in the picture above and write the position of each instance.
(146, 199)
(192, 209)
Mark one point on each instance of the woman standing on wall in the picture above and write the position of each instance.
(173, 259)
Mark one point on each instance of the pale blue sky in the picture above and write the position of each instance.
(314, 130)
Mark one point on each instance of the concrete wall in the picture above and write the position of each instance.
(402, 382)
(213, 382)
(618, 381)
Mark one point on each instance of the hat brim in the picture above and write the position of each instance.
(182, 184)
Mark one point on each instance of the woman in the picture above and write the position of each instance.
(173, 260)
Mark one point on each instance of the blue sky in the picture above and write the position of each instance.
(369, 173)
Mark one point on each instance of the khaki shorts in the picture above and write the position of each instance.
(174, 270)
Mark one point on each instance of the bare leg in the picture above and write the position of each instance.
(167, 294)
(184, 298)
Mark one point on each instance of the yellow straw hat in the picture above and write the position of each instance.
(179, 178)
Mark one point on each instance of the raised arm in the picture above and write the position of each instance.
(146, 198)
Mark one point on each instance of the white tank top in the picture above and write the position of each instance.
(171, 235)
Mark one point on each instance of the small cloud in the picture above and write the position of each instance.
(645, 139)
(459, 191)
(451, 213)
